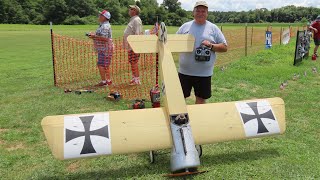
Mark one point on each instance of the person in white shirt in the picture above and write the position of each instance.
(134, 27)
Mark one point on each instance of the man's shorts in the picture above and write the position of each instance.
(316, 41)
(133, 57)
(201, 86)
(104, 58)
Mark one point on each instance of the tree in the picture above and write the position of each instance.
(113, 6)
(171, 5)
(147, 4)
(174, 20)
(80, 8)
(161, 14)
(211, 18)
(148, 11)
(170, 11)
(11, 12)
(54, 10)
(30, 8)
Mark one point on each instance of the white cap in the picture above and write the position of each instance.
(106, 14)
(200, 3)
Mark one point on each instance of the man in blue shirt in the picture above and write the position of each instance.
(196, 68)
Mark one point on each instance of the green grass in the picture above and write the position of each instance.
(27, 95)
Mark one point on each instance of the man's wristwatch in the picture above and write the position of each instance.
(212, 48)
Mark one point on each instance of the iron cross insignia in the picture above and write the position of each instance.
(87, 135)
(258, 118)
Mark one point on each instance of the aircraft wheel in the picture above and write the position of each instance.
(199, 149)
(151, 155)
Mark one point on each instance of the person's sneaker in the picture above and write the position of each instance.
(109, 82)
(101, 83)
(134, 81)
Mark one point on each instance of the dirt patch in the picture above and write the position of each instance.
(242, 85)
(224, 89)
(3, 130)
(133, 156)
(15, 147)
(73, 166)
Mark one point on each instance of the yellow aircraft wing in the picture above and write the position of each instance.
(130, 131)
(149, 44)
(119, 132)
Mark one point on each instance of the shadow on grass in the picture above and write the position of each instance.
(238, 157)
(162, 166)
(132, 170)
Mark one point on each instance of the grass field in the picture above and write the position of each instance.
(27, 95)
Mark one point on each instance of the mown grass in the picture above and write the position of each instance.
(27, 95)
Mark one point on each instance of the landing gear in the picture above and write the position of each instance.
(185, 172)
(151, 155)
(199, 149)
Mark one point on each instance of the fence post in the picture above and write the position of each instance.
(52, 51)
(281, 35)
(246, 36)
(251, 35)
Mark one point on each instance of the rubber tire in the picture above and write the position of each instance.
(199, 149)
(151, 156)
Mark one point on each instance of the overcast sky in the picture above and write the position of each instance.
(245, 5)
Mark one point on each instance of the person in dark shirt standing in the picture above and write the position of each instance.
(315, 27)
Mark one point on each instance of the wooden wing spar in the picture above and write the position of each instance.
(131, 131)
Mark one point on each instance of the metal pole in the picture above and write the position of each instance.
(157, 60)
(246, 39)
(157, 68)
(53, 59)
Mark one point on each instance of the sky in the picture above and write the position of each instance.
(246, 5)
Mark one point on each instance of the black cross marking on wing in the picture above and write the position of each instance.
(247, 117)
(87, 146)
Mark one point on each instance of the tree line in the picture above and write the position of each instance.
(75, 12)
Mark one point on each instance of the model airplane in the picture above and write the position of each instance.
(132, 131)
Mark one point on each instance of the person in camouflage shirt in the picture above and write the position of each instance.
(104, 46)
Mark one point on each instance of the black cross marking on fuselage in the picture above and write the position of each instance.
(87, 146)
(163, 88)
(163, 33)
(247, 117)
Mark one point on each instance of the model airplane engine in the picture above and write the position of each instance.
(184, 155)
